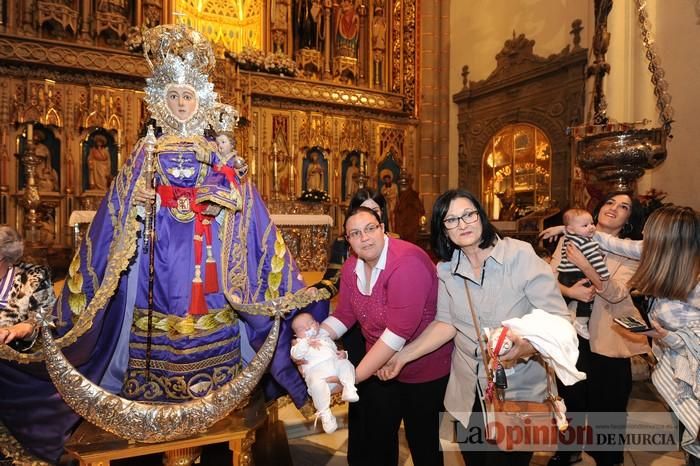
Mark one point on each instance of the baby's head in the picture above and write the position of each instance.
(226, 142)
(304, 325)
(579, 222)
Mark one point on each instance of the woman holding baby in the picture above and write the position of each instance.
(389, 287)
(504, 279)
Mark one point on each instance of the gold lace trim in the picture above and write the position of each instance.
(186, 367)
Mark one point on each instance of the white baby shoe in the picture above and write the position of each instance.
(327, 421)
(350, 394)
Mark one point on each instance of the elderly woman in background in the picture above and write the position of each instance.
(389, 288)
(504, 279)
(605, 357)
(25, 290)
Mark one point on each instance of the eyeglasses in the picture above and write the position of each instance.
(467, 217)
(357, 234)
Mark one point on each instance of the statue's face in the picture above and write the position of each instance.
(182, 101)
(224, 144)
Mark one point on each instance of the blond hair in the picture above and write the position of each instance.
(670, 263)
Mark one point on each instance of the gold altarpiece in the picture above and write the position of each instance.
(73, 76)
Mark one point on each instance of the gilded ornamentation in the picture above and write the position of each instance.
(10, 447)
(69, 56)
(409, 57)
(58, 13)
(325, 93)
(231, 24)
(152, 422)
(188, 325)
(396, 48)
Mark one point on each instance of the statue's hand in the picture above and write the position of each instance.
(143, 196)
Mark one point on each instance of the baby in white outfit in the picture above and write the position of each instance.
(322, 360)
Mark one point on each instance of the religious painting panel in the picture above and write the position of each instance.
(47, 149)
(315, 170)
(98, 160)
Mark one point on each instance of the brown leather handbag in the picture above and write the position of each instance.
(515, 425)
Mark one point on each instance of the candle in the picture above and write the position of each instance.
(362, 161)
(274, 168)
(30, 132)
(291, 179)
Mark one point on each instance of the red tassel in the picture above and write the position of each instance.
(211, 277)
(198, 305)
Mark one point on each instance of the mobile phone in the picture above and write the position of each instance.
(632, 324)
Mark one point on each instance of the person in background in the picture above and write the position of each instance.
(605, 356)
(409, 210)
(390, 288)
(25, 291)
(504, 279)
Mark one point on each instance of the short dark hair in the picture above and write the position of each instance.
(440, 242)
(359, 210)
(633, 228)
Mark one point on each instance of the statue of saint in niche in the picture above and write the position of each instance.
(308, 24)
(45, 175)
(347, 29)
(315, 173)
(351, 174)
(99, 164)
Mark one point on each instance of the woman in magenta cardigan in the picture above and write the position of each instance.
(391, 291)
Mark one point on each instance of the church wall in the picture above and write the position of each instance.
(675, 26)
(478, 29)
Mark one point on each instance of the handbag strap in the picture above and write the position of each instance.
(489, 376)
(478, 330)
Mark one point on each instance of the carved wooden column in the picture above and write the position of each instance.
(86, 19)
(328, 43)
(363, 45)
(28, 16)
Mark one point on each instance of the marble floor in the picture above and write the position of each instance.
(310, 448)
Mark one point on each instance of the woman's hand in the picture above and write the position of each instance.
(581, 291)
(521, 348)
(552, 233)
(658, 331)
(392, 368)
(15, 332)
(143, 196)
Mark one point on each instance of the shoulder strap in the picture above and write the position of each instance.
(477, 327)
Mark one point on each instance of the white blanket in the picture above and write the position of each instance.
(555, 338)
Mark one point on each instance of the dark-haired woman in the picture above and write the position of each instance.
(353, 341)
(505, 279)
(389, 288)
(605, 353)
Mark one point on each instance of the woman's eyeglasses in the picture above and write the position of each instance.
(357, 234)
(467, 217)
